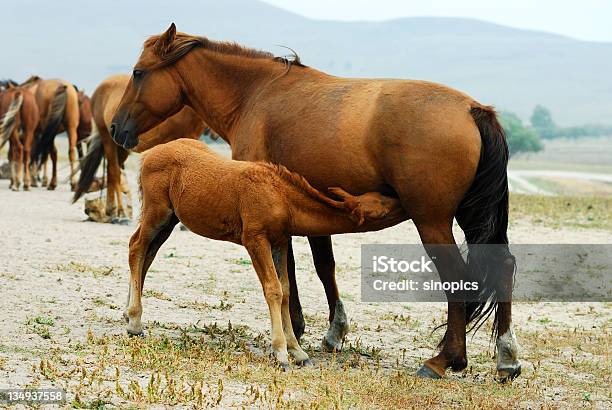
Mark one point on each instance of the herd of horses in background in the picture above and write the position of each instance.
(34, 112)
(430, 150)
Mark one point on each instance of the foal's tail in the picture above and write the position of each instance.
(8, 121)
(483, 216)
(89, 164)
(44, 144)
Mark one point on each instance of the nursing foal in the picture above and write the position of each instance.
(256, 204)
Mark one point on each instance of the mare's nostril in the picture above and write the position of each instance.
(112, 130)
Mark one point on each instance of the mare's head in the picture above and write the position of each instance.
(154, 92)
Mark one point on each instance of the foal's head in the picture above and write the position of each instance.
(153, 92)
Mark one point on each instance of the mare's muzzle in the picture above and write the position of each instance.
(124, 135)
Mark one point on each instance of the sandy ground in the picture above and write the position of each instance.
(54, 265)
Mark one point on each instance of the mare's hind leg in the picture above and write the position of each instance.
(508, 365)
(154, 229)
(325, 265)
(53, 184)
(16, 154)
(45, 178)
(451, 268)
(27, 152)
(261, 254)
(279, 256)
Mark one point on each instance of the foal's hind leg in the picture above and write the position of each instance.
(279, 256)
(261, 254)
(153, 231)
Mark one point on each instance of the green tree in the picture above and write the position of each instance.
(542, 121)
(520, 138)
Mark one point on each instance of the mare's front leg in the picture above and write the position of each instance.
(261, 254)
(279, 256)
(113, 174)
(153, 231)
(295, 307)
(325, 265)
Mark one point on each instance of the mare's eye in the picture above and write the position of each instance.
(137, 74)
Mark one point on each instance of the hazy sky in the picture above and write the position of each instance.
(582, 19)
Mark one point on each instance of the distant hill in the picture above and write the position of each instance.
(511, 68)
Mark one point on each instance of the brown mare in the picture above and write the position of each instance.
(255, 204)
(19, 120)
(104, 102)
(443, 154)
(58, 104)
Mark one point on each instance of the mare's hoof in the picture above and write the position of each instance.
(120, 220)
(298, 325)
(284, 366)
(51, 187)
(426, 372)
(507, 374)
(26, 188)
(330, 345)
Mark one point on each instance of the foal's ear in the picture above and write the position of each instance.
(164, 42)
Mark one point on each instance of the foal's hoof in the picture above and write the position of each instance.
(284, 366)
(426, 372)
(26, 188)
(507, 374)
(51, 187)
(306, 363)
(132, 333)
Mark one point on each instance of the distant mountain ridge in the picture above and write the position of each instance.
(511, 68)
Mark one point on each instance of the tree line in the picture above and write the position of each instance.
(528, 138)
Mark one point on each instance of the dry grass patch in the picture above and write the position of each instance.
(230, 366)
(563, 211)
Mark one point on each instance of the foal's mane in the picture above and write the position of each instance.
(299, 182)
(184, 43)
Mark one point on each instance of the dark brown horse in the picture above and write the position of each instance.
(19, 120)
(443, 154)
(104, 102)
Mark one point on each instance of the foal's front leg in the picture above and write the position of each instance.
(279, 256)
(261, 254)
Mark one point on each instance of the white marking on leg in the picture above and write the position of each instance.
(507, 351)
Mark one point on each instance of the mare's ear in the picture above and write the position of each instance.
(164, 42)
